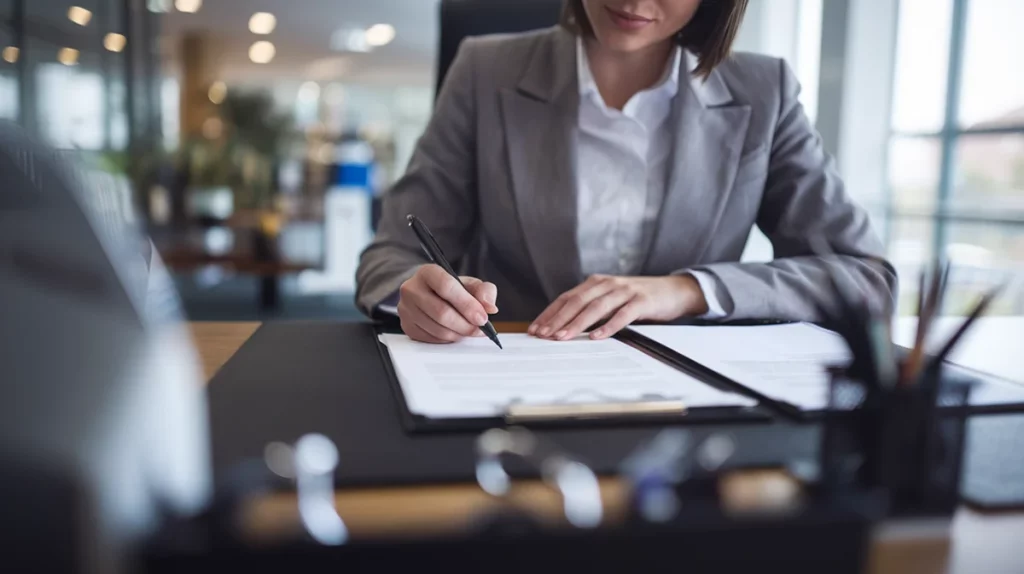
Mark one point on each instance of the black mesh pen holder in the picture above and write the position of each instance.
(907, 441)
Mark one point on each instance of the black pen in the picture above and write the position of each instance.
(435, 254)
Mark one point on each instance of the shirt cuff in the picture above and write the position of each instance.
(389, 305)
(709, 288)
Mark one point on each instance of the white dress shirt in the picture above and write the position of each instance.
(622, 169)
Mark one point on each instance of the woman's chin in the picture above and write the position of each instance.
(617, 41)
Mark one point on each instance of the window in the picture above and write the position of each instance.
(808, 57)
(922, 65)
(67, 122)
(70, 123)
(170, 106)
(956, 155)
(68, 84)
(992, 90)
(9, 54)
(71, 19)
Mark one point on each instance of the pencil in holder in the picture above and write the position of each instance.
(907, 440)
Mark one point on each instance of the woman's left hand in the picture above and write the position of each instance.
(620, 300)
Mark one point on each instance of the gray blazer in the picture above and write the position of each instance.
(493, 177)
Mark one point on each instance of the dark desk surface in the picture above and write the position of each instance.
(977, 543)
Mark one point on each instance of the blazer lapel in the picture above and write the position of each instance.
(709, 136)
(540, 117)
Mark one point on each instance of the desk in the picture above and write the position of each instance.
(979, 543)
(253, 254)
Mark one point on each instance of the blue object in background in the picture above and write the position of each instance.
(353, 168)
(354, 175)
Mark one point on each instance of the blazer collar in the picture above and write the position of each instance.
(711, 92)
(550, 75)
(710, 128)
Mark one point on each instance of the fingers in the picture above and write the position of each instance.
(624, 317)
(564, 309)
(417, 333)
(598, 310)
(419, 325)
(439, 311)
(454, 294)
(485, 292)
(427, 313)
(539, 326)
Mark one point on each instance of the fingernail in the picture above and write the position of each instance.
(597, 334)
(481, 320)
(532, 330)
(561, 334)
(544, 331)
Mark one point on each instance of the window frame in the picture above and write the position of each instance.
(949, 137)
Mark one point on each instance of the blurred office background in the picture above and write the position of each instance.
(254, 136)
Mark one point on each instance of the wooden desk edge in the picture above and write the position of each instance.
(217, 342)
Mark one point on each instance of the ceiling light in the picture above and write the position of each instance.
(262, 52)
(79, 15)
(262, 23)
(190, 6)
(114, 42)
(349, 40)
(380, 34)
(67, 56)
(11, 54)
(218, 91)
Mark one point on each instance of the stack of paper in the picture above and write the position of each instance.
(785, 362)
(788, 362)
(473, 378)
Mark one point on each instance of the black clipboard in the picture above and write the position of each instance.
(414, 423)
(785, 409)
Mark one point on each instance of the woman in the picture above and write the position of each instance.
(610, 170)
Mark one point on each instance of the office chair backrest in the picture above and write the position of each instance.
(463, 18)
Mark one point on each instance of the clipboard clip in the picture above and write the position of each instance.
(575, 481)
(598, 407)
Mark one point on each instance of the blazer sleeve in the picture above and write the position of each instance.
(804, 197)
(439, 186)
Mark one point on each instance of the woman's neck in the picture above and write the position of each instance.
(620, 76)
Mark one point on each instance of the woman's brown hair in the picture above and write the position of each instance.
(709, 35)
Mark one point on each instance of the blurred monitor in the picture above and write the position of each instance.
(463, 18)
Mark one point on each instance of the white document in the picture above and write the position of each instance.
(784, 362)
(789, 362)
(473, 378)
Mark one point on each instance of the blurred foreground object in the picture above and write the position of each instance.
(103, 432)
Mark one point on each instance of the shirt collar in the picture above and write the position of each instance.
(667, 85)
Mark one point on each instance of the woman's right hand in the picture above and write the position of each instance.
(434, 308)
